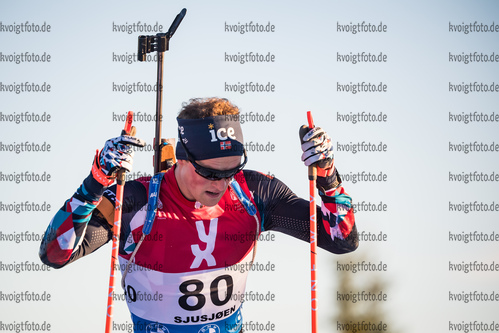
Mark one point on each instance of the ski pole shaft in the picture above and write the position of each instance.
(312, 176)
(120, 182)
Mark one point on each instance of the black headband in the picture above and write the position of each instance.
(210, 137)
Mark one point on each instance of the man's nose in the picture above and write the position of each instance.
(221, 184)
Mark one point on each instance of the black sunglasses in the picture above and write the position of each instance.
(212, 174)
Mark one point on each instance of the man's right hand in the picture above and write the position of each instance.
(117, 154)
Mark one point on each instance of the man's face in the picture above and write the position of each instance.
(196, 188)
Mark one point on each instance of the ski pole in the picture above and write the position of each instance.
(312, 176)
(120, 182)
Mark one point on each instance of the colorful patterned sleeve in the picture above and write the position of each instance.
(74, 230)
(284, 211)
(337, 218)
(79, 229)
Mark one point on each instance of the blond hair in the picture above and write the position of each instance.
(207, 107)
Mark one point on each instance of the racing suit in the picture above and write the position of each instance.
(196, 258)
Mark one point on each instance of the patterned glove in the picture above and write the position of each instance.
(116, 154)
(317, 149)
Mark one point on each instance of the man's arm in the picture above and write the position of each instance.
(282, 210)
(75, 230)
(84, 222)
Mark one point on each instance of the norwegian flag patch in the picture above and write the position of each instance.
(225, 145)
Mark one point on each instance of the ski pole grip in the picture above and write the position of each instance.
(120, 176)
(128, 124)
(312, 169)
(310, 119)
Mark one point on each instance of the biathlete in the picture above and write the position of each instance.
(189, 262)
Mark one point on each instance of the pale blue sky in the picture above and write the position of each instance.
(305, 72)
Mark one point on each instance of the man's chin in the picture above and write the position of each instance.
(210, 201)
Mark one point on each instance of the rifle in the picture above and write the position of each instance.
(164, 152)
